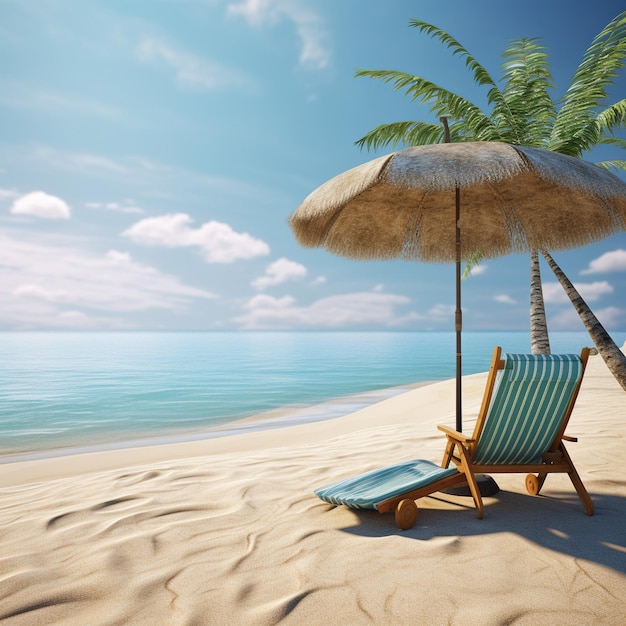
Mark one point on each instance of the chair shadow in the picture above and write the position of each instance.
(556, 521)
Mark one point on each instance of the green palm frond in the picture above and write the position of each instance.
(474, 260)
(480, 74)
(613, 116)
(442, 102)
(612, 165)
(396, 134)
(572, 133)
(606, 121)
(412, 133)
(527, 78)
(523, 111)
(620, 142)
(401, 133)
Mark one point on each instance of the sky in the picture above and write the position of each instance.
(152, 151)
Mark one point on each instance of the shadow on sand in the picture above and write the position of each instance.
(555, 521)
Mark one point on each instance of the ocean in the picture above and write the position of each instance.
(62, 392)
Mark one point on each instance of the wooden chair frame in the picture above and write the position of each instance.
(460, 451)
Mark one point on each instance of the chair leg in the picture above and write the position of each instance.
(478, 501)
(447, 455)
(578, 483)
(472, 484)
(541, 478)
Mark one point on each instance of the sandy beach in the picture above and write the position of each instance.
(228, 530)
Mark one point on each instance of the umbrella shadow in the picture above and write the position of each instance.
(556, 522)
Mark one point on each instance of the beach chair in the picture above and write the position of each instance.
(520, 428)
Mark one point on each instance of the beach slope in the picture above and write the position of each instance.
(228, 531)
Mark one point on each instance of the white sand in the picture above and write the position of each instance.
(228, 531)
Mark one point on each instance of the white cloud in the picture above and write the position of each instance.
(8, 193)
(41, 204)
(314, 46)
(118, 258)
(143, 175)
(219, 242)
(279, 272)
(42, 293)
(477, 270)
(609, 317)
(504, 299)
(22, 96)
(263, 301)
(76, 320)
(45, 285)
(191, 69)
(80, 163)
(255, 12)
(590, 292)
(614, 261)
(441, 311)
(340, 311)
(124, 207)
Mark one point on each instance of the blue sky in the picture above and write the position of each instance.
(153, 150)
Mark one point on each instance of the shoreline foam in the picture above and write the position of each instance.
(282, 417)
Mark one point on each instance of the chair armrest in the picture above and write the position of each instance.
(568, 438)
(454, 434)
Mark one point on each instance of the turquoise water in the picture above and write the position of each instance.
(61, 390)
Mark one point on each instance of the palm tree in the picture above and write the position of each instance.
(612, 355)
(522, 112)
(539, 338)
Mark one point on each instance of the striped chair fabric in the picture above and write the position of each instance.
(529, 400)
(366, 490)
(527, 408)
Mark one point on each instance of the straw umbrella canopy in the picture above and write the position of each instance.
(445, 202)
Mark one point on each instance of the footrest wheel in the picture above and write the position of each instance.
(532, 484)
(406, 514)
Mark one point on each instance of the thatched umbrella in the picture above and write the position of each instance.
(508, 199)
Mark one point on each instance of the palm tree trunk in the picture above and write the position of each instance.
(612, 355)
(539, 339)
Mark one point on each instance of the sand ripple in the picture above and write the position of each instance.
(238, 537)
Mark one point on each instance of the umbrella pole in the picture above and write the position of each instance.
(486, 484)
(458, 316)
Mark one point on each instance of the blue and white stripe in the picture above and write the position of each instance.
(527, 408)
(366, 490)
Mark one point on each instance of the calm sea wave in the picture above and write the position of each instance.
(62, 390)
